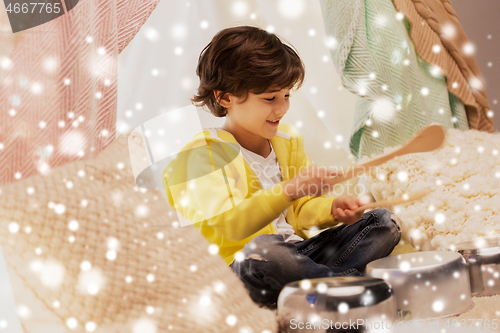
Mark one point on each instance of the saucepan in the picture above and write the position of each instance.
(427, 285)
(483, 260)
(335, 304)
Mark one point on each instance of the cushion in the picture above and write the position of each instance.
(462, 180)
(88, 249)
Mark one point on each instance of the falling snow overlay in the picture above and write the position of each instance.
(63, 108)
(463, 184)
(441, 41)
(398, 93)
(89, 257)
(38, 136)
(409, 73)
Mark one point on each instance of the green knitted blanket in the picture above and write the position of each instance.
(398, 93)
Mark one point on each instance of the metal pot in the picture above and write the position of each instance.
(427, 285)
(483, 261)
(335, 304)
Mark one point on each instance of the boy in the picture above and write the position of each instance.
(248, 186)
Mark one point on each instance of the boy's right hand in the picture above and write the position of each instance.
(313, 180)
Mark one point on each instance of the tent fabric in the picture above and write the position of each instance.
(436, 23)
(113, 254)
(58, 85)
(398, 93)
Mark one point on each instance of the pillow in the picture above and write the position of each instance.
(463, 183)
(88, 249)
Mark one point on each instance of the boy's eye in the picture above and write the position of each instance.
(272, 99)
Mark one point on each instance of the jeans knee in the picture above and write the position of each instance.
(388, 219)
(383, 214)
(264, 240)
(261, 246)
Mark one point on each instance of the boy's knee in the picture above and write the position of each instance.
(262, 241)
(261, 246)
(388, 219)
(383, 214)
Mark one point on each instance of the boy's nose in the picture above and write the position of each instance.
(280, 113)
(282, 109)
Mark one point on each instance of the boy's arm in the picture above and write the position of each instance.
(217, 195)
(310, 211)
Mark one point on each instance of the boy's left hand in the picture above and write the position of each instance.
(343, 206)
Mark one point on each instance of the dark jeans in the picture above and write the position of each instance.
(343, 250)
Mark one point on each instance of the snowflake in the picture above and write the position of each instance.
(231, 320)
(343, 307)
(144, 325)
(239, 8)
(291, 9)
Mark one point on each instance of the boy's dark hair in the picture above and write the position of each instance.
(245, 59)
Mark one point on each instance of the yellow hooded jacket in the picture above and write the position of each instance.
(211, 187)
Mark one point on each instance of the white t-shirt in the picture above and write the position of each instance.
(268, 171)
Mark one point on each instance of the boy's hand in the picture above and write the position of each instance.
(313, 181)
(343, 206)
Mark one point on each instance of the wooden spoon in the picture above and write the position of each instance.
(386, 203)
(427, 139)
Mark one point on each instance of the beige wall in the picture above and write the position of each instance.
(479, 18)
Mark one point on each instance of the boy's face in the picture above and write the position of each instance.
(256, 114)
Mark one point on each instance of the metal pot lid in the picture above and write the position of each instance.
(414, 261)
(353, 291)
(481, 245)
(338, 282)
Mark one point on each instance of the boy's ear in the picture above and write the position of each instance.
(226, 101)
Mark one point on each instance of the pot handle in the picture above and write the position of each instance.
(475, 275)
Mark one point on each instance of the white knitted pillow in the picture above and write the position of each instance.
(86, 248)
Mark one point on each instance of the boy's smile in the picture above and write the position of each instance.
(256, 120)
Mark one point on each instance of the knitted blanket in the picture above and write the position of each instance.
(398, 93)
(58, 85)
(88, 249)
(435, 26)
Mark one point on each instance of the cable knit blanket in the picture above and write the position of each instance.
(399, 93)
(88, 249)
(58, 85)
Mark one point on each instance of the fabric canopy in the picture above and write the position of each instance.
(398, 92)
(435, 26)
(59, 85)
